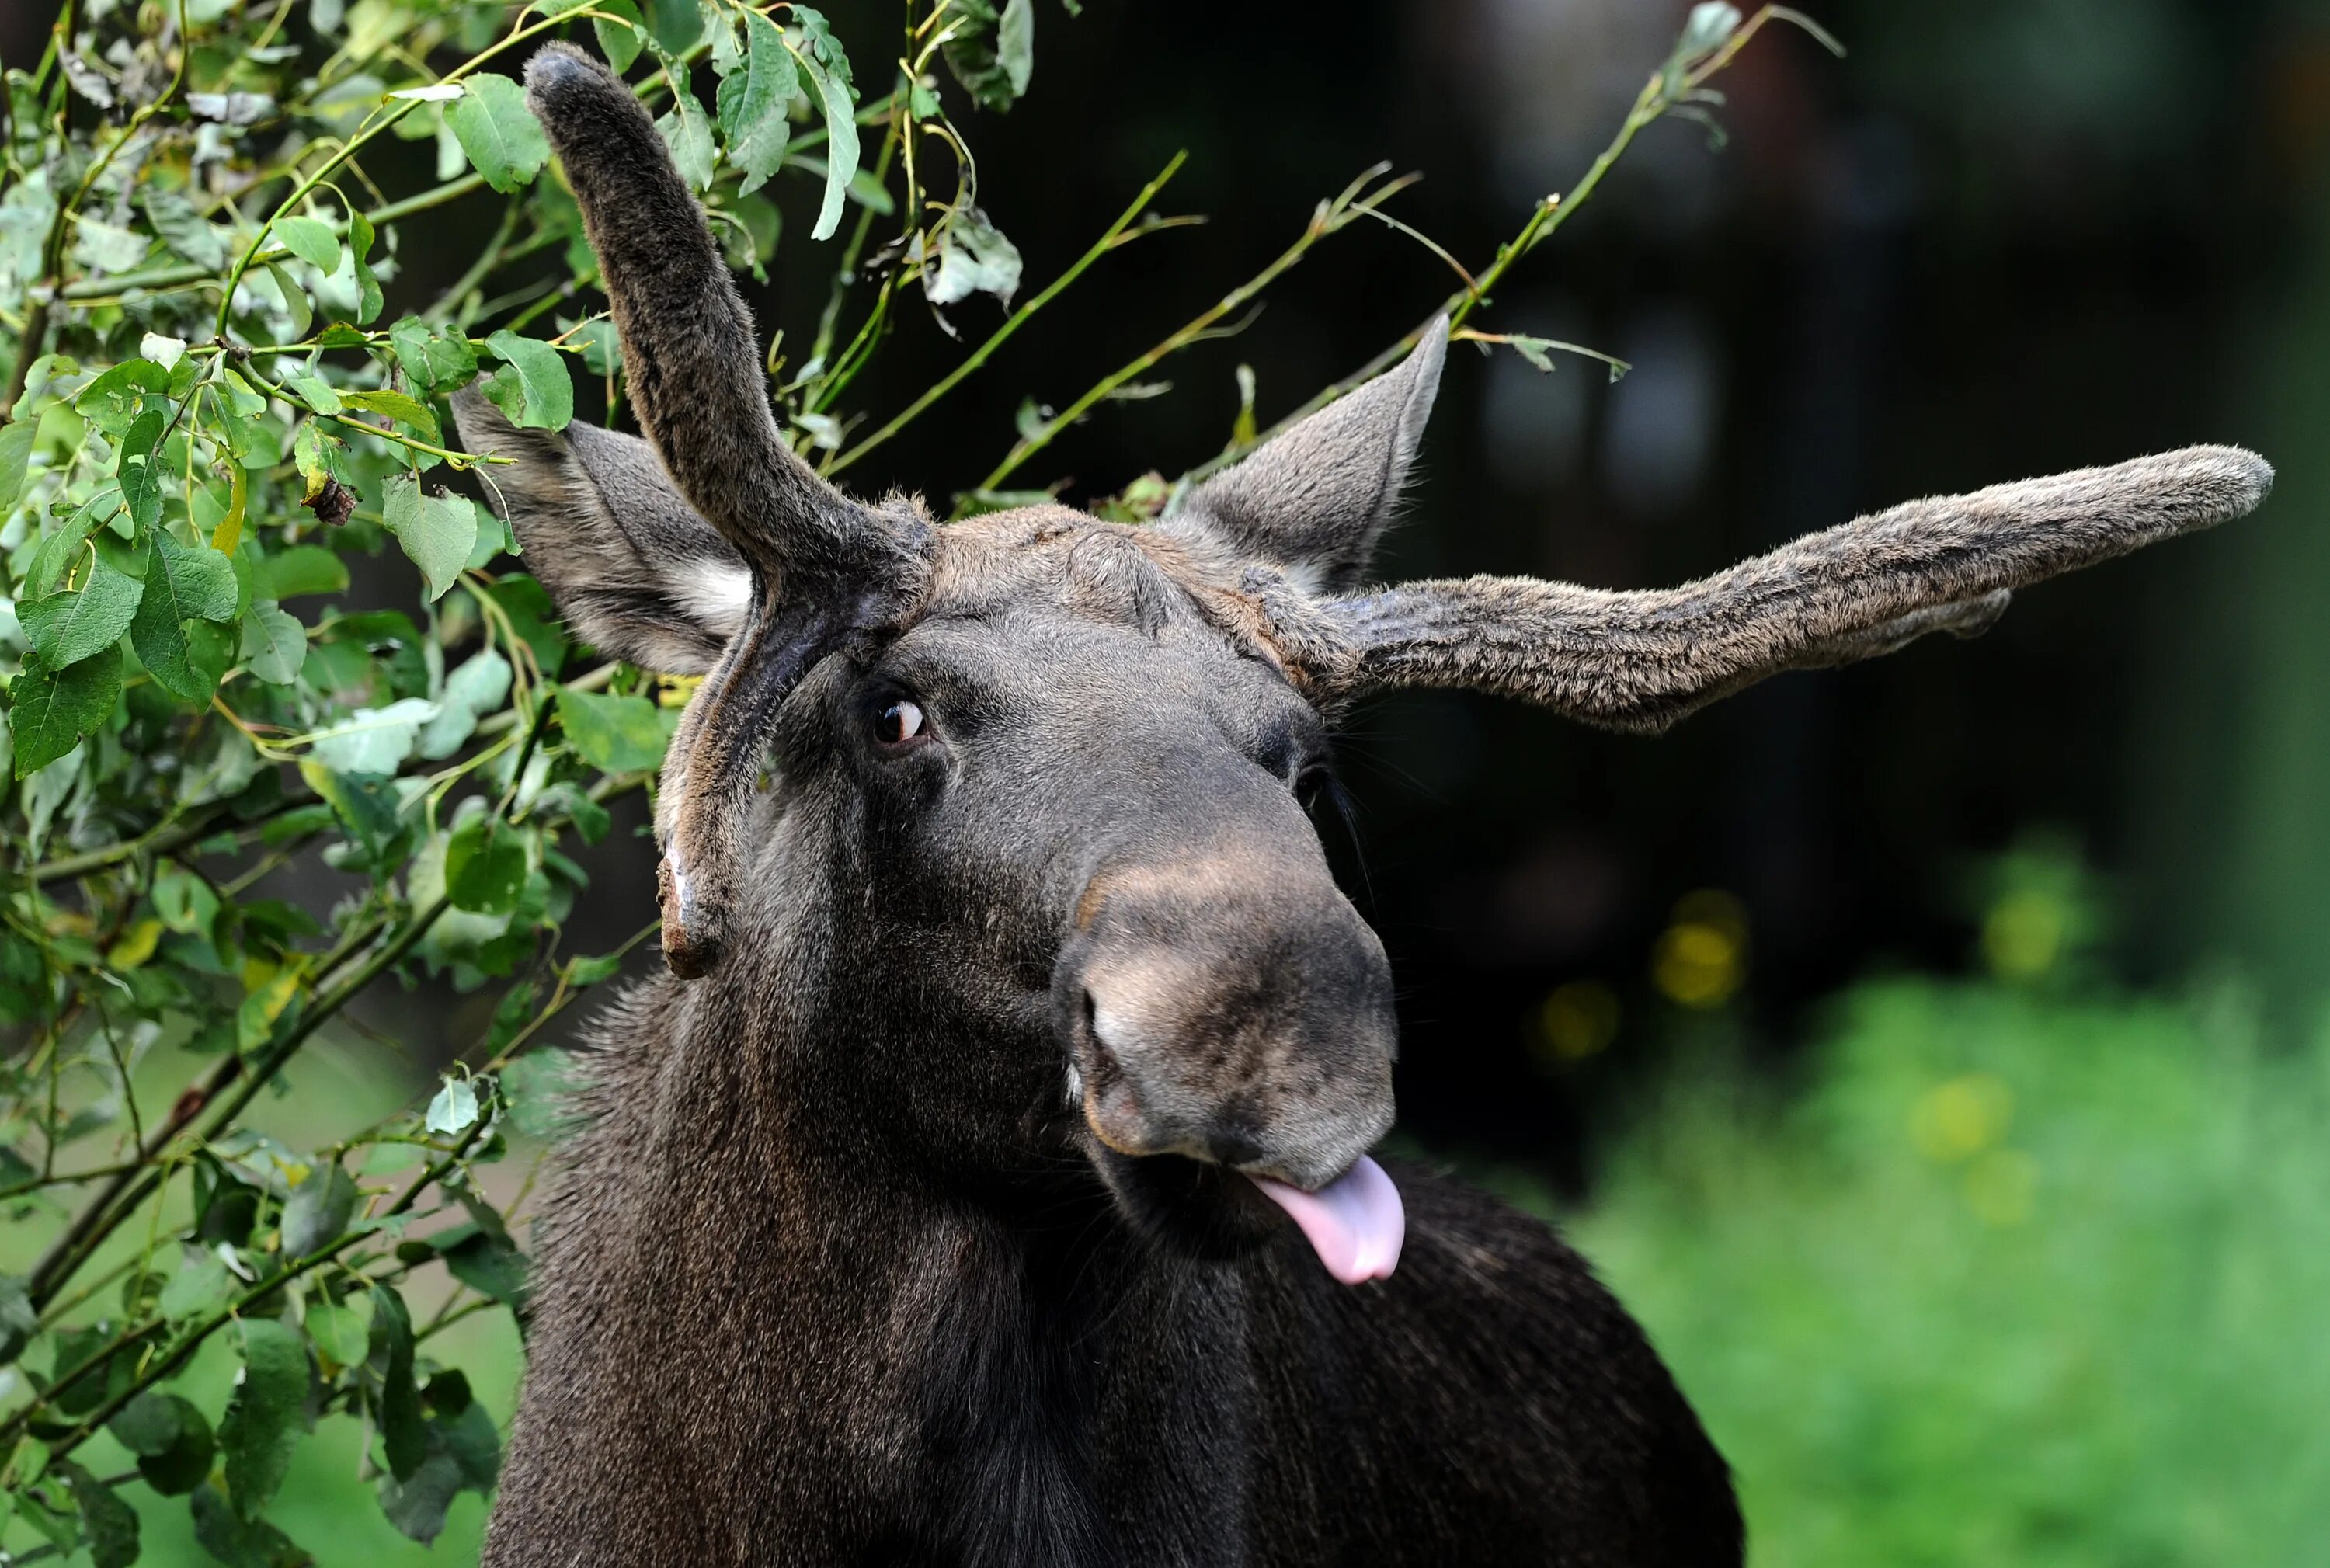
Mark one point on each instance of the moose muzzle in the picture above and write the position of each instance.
(1229, 1006)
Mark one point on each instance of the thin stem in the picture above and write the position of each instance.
(1545, 219)
(1330, 218)
(1116, 234)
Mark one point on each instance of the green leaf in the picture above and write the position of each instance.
(15, 456)
(140, 470)
(486, 865)
(147, 1424)
(69, 626)
(113, 401)
(827, 71)
(183, 583)
(619, 41)
(18, 1321)
(403, 1434)
(417, 1505)
(274, 643)
(318, 1211)
(431, 361)
(51, 710)
(454, 1111)
(489, 1265)
(1015, 44)
(317, 392)
(202, 1285)
(312, 241)
(472, 691)
(676, 24)
(973, 258)
(613, 735)
(532, 389)
(368, 295)
(541, 1087)
(108, 1526)
(752, 103)
(295, 300)
(500, 135)
(688, 133)
(61, 549)
(397, 406)
(436, 533)
(340, 1331)
(266, 1416)
(241, 1543)
(303, 568)
(373, 740)
(174, 1464)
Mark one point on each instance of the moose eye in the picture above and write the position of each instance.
(898, 723)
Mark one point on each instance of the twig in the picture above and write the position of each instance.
(1116, 235)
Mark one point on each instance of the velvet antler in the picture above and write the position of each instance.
(1642, 660)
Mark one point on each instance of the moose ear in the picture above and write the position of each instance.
(634, 569)
(1313, 501)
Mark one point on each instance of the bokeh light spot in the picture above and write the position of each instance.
(1962, 1117)
(1577, 1020)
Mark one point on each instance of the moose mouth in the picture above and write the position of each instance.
(1357, 1224)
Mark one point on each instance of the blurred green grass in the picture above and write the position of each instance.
(2009, 1278)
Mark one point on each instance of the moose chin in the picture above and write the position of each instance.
(990, 1181)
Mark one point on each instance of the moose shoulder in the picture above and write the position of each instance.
(988, 1182)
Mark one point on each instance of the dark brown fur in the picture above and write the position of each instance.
(906, 1221)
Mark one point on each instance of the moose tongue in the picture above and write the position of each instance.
(1355, 1223)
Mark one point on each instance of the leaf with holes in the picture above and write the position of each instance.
(430, 360)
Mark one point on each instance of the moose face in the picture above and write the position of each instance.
(1068, 771)
(1053, 765)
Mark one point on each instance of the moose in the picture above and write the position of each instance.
(988, 1182)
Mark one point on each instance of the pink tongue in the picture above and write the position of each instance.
(1355, 1223)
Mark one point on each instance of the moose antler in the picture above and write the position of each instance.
(1639, 661)
(823, 567)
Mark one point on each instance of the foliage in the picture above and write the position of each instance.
(224, 404)
(2026, 1274)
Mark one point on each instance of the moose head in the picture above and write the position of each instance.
(999, 825)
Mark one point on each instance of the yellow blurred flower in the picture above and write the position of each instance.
(1962, 1117)
(1702, 957)
(1577, 1020)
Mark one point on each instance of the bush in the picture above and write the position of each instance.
(2021, 1277)
(224, 402)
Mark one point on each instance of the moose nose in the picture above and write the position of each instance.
(1234, 1010)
